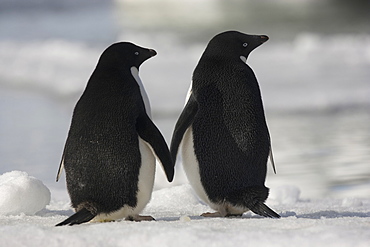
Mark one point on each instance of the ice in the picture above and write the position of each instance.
(22, 194)
(48, 71)
(329, 71)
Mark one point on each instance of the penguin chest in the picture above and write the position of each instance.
(191, 165)
(145, 186)
(144, 95)
(146, 175)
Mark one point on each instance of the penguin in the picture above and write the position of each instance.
(222, 131)
(112, 144)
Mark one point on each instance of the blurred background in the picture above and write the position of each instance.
(314, 75)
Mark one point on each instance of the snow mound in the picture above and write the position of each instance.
(21, 193)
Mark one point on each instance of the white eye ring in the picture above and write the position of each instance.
(136, 53)
(245, 44)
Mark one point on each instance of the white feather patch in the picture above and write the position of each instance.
(61, 166)
(244, 59)
(190, 91)
(191, 165)
(145, 186)
(144, 95)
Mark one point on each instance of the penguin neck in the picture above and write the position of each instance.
(144, 95)
(231, 65)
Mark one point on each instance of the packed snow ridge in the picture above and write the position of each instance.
(22, 194)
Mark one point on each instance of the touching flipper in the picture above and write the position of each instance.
(82, 216)
(185, 120)
(150, 133)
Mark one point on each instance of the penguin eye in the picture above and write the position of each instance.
(245, 44)
(136, 53)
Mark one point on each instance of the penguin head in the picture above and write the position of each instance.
(125, 54)
(234, 44)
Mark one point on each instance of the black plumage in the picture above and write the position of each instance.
(231, 140)
(101, 157)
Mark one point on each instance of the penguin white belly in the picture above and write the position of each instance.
(146, 175)
(191, 166)
(144, 95)
(145, 186)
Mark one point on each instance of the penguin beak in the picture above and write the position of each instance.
(152, 52)
(263, 38)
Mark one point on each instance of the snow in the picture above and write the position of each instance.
(304, 222)
(22, 194)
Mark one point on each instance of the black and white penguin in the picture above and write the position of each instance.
(222, 130)
(111, 149)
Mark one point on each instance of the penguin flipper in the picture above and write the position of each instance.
(150, 133)
(185, 120)
(82, 216)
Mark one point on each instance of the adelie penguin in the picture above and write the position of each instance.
(222, 130)
(111, 148)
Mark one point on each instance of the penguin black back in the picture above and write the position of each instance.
(102, 157)
(229, 133)
(229, 99)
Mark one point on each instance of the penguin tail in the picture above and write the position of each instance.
(253, 198)
(262, 209)
(83, 215)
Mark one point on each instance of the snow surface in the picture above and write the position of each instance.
(323, 222)
(22, 194)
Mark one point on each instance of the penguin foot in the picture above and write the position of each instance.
(215, 214)
(105, 220)
(139, 218)
(233, 215)
(219, 214)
